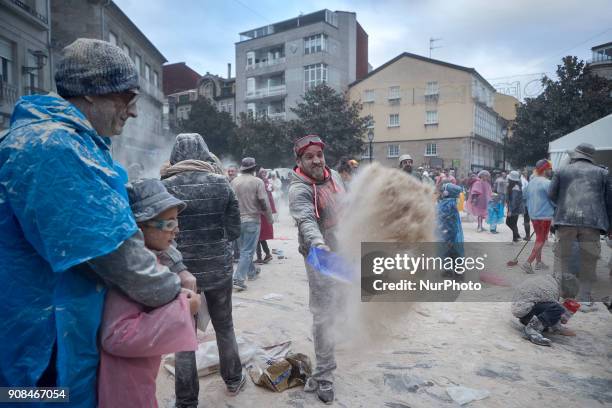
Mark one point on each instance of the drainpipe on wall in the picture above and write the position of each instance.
(49, 50)
(102, 21)
(102, 30)
(473, 132)
(471, 142)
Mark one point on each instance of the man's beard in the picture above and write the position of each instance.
(408, 169)
(317, 172)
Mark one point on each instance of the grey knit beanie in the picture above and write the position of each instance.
(94, 67)
(149, 198)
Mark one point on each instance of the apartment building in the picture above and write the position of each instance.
(185, 87)
(143, 139)
(277, 63)
(25, 57)
(221, 91)
(441, 114)
(601, 62)
(179, 85)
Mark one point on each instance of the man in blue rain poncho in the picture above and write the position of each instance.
(66, 229)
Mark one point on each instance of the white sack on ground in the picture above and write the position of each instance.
(207, 356)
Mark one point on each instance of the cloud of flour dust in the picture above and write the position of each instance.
(383, 205)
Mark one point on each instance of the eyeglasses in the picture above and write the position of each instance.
(164, 225)
(129, 98)
(134, 95)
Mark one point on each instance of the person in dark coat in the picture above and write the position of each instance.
(209, 223)
(516, 207)
(582, 193)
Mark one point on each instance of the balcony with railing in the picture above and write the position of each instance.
(8, 95)
(601, 56)
(150, 89)
(277, 116)
(30, 11)
(267, 57)
(273, 110)
(320, 16)
(277, 90)
(266, 63)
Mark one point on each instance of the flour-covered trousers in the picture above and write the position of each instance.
(218, 309)
(326, 301)
(579, 246)
(588, 251)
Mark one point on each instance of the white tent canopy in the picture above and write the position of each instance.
(598, 133)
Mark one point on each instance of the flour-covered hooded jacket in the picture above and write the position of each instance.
(534, 290)
(212, 217)
(315, 206)
(64, 214)
(582, 193)
(543, 288)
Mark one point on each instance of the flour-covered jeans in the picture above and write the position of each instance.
(326, 301)
(219, 305)
(249, 236)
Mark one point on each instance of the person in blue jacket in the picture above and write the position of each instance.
(66, 229)
(450, 231)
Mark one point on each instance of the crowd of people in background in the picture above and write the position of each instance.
(574, 203)
(490, 198)
(529, 194)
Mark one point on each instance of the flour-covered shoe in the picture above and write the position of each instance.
(325, 392)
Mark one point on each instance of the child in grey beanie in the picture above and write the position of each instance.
(133, 337)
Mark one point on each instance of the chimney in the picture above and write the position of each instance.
(229, 70)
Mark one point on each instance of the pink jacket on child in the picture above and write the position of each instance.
(133, 339)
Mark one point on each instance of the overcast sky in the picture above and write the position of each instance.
(499, 38)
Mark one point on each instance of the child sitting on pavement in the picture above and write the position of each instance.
(134, 337)
(536, 304)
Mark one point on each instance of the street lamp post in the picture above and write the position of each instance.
(370, 139)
